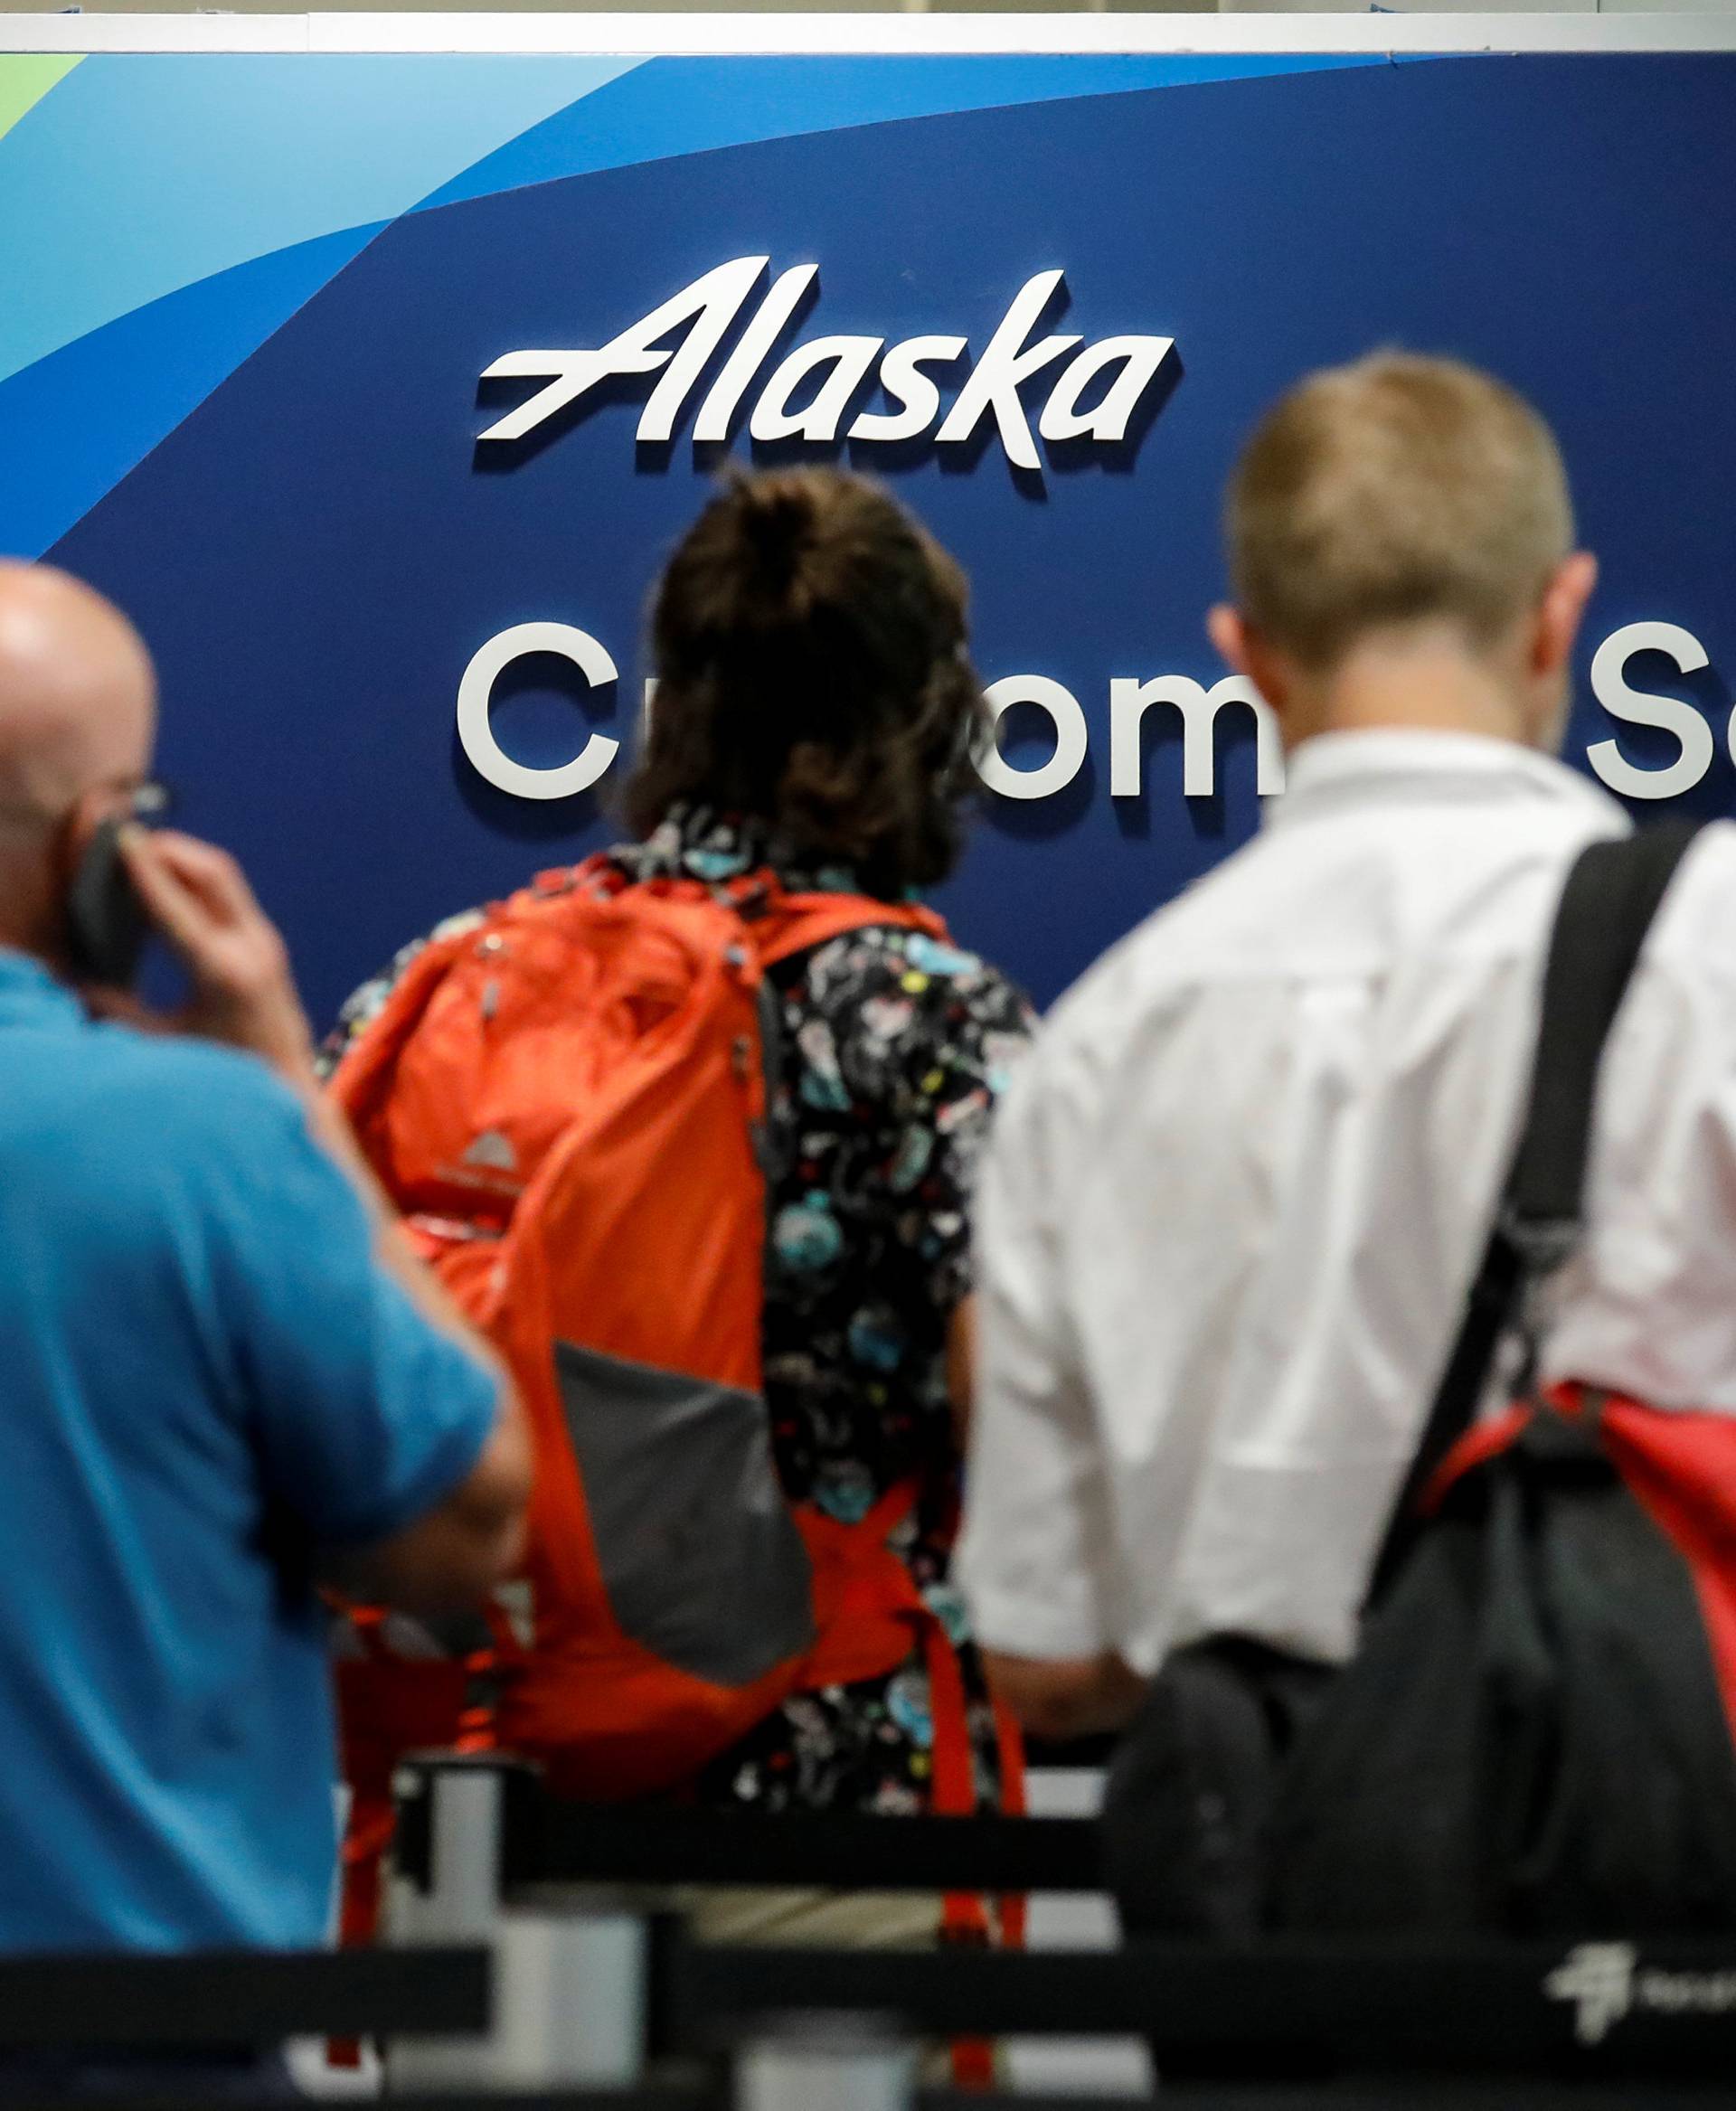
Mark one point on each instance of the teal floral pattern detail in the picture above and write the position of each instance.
(914, 1155)
(718, 865)
(845, 1491)
(948, 1607)
(806, 1236)
(908, 1703)
(877, 1341)
(929, 957)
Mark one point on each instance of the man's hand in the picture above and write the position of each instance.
(243, 992)
(1061, 1699)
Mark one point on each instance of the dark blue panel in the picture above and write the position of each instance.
(316, 554)
(74, 424)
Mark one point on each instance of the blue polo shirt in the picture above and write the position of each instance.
(204, 1375)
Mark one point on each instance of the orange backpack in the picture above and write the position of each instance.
(569, 1102)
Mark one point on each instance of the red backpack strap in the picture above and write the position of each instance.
(787, 924)
(1484, 1440)
(1010, 1743)
(364, 1073)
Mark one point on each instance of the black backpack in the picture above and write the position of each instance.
(1531, 1738)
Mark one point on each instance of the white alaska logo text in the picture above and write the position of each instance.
(1096, 391)
(1606, 1982)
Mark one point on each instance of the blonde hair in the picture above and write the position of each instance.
(1397, 490)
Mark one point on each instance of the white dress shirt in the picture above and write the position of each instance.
(1235, 1196)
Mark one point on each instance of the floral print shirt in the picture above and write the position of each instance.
(894, 1049)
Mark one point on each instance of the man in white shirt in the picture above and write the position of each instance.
(1235, 1197)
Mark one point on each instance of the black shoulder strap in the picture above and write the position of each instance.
(1606, 907)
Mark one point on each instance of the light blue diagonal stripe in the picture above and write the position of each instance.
(145, 172)
(675, 106)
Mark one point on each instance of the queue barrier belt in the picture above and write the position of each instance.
(1308, 2010)
(547, 1840)
(1305, 2010)
(240, 1999)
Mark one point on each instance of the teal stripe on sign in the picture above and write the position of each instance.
(670, 106)
(147, 172)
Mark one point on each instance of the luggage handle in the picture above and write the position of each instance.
(1608, 905)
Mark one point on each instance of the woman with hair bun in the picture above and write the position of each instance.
(817, 713)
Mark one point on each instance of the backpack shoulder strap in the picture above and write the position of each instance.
(797, 923)
(1608, 905)
(1612, 899)
(364, 1069)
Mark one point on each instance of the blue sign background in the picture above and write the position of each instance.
(317, 550)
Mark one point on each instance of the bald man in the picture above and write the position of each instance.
(222, 1381)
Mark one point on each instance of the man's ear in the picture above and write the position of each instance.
(1561, 612)
(1228, 632)
(77, 826)
(1245, 652)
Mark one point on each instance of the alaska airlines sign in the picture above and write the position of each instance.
(1096, 391)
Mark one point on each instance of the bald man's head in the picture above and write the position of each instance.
(78, 718)
(78, 695)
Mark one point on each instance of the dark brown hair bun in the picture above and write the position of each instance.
(809, 643)
(776, 515)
